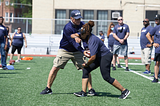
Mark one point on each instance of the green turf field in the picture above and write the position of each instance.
(22, 87)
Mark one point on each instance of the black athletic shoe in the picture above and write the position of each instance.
(92, 92)
(124, 94)
(80, 94)
(119, 66)
(46, 91)
(5, 68)
(114, 68)
(155, 80)
(127, 69)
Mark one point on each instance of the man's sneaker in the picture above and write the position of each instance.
(127, 69)
(5, 68)
(124, 94)
(46, 91)
(147, 72)
(92, 92)
(114, 68)
(80, 94)
(119, 66)
(155, 80)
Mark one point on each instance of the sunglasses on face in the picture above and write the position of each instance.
(145, 21)
(120, 19)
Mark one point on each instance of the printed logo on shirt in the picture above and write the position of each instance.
(144, 30)
(159, 31)
(119, 28)
(18, 35)
(2, 28)
(123, 27)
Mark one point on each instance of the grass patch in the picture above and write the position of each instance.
(22, 87)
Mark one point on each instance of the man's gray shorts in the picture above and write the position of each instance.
(120, 49)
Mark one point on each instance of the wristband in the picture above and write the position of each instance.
(152, 43)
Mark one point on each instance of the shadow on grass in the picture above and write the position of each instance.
(136, 69)
(10, 73)
(99, 94)
(102, 94)
(3, 77)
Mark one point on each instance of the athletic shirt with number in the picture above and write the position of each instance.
(18, 39)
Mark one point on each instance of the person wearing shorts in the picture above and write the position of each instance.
(146, 47)
(17, 40)
(68, 49)
(99, 54)
(120, 33)
(156, 43)
(8, 45)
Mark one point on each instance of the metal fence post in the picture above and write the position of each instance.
(26, 25)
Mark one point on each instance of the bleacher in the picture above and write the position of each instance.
(39, 44)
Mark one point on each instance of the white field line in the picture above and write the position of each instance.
(139, 74)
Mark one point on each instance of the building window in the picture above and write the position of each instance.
(7, 3)
(6, 17)
(59, 24)
(11, 17)
(101, 25)
(150, 15)
(88, 14)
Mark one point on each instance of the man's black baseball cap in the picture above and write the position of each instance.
(157, 17)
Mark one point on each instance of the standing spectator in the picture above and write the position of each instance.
(17, 43)
(99, 55)
(8, 45)
(3, 43)
(120, 33)
(111, 40)
(102, 37)
(68, 49)
(156, 33)
(146, 47)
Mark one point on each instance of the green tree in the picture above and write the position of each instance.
(25, 5)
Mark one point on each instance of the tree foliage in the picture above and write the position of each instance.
(25, 5)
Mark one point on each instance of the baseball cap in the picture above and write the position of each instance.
(157, 17)
(76, 14)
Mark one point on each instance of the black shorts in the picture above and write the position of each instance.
(18, 49)
(157, 57)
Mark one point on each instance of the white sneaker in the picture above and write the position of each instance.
(17, 61)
